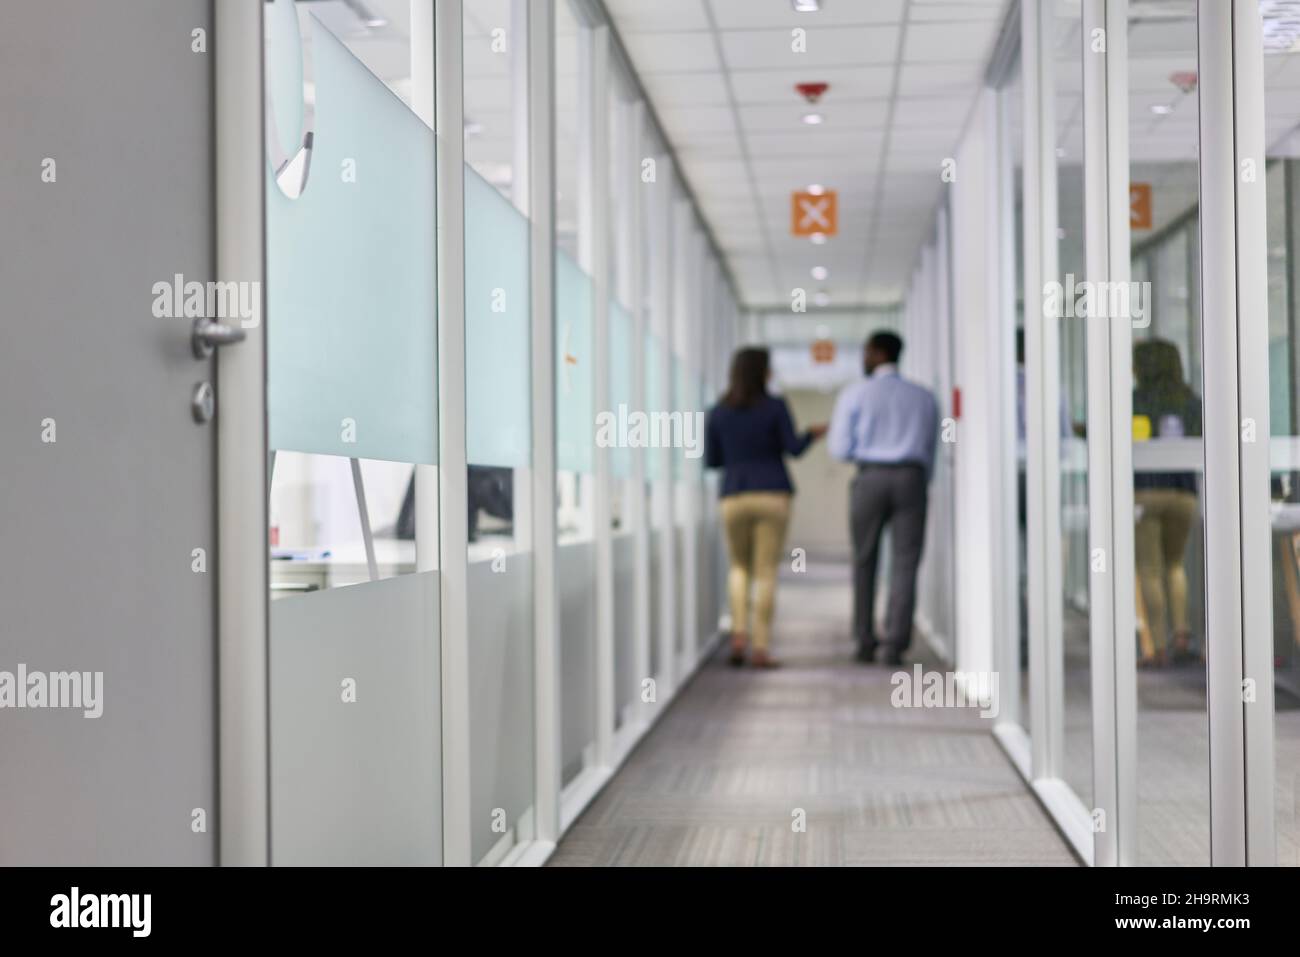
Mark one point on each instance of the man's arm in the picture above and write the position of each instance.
(934, 436)
(839, 440)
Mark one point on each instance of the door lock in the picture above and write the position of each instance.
(203, 403)
(207, 335)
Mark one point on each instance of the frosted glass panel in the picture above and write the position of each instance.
(575, 368)
(500, 699)
(351, 321)
(653, 399)
(357, 781)
(284, 73)
(497, 338)
(620, 379)
(577, 572)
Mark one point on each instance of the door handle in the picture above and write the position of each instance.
(207, 335)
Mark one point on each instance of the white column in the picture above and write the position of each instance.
(1002, 379)
(242, 587)
(665, 278)
(594, 254)
(1042, 395)
(1253, 398)
(453, 491)
(641, 219)
(424, 104)
(546, 619)
(1112, 617)
(1234, 335)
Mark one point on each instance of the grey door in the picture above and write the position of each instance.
(106, 480)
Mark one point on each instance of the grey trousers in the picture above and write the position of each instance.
(880, 495)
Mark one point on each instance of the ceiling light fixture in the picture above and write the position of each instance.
(819, 273)
(806, 6)
(818, 239)
(813, 119)
(821, 299)
(1161, 109)
(816, 189)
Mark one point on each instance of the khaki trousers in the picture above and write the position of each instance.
(755, 524)
(1161, 538)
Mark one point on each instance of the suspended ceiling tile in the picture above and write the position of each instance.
(820, 48)
(738, 14)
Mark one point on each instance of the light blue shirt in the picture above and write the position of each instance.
(885, 419)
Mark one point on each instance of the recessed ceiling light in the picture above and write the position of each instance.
(818, 238)
(813, 119)
(1060, 152)
(806, 6)
(822, 299)
(472, 128)
(819, 273)
(1160, 109)
(816, 189)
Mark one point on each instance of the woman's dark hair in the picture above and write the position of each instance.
(1158, 368)
(1159, 388)
(748, 382)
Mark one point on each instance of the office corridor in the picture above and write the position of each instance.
(718, 780)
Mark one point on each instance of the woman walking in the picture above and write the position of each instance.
(749, 433)
(1165, 501)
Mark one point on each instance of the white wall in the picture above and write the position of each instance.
(976, 278)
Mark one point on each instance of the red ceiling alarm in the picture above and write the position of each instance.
(1185, 80)
(812, 92)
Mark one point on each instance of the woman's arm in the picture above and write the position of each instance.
(793, 444)
(712, 444)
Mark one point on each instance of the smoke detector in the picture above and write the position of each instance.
(812, 92)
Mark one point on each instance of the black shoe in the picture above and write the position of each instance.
(893, 657)
(866, 653)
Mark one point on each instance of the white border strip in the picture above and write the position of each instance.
(243, 704)
(453, 492)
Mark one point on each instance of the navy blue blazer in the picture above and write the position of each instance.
(749, 445)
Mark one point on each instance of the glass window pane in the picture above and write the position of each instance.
(1168, 452)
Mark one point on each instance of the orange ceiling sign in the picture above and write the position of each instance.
(812, 213)
(1139, 205)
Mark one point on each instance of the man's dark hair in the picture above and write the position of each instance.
(886, 343)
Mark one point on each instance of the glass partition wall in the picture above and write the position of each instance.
(1173, 753)
(353, 431)
(1282, 188)
(1136, 725)
(1071, 419)
(360, 745)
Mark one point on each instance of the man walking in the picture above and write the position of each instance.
(887, 426)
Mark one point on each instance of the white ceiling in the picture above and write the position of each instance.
(903, 78)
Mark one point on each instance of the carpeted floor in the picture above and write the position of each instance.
(722, 779)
